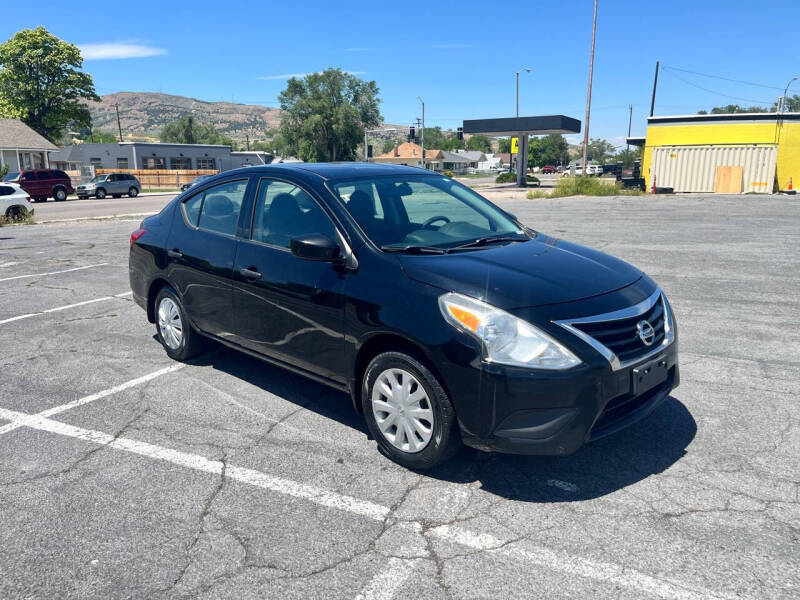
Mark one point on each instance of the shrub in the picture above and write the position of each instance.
(585, 186)
(447, 173)
(506, 178)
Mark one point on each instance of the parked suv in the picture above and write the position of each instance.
(42, 184)
(113, 184)
(547, 169)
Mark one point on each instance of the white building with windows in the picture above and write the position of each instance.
(22, 148)
(156, 155)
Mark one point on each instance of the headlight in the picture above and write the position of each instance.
(506, 339)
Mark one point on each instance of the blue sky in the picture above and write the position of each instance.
(460, 57)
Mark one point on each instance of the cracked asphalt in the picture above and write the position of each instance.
(229, 478)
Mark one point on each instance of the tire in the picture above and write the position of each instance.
(133, 192)
(60, 194)
(100, 193)
(190, 343)
(15, 212)
(444, 439)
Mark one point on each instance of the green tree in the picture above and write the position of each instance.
(187, 130)
(600, 150)
(548, 150)
(387, 146)
(792, 104)
(735, 108)
(504, 146)
(41, 82)
(480, 143)
(325, 114)
(264, 146)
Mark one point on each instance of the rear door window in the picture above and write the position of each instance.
(42, 175)
(217, 209)
(6, 190)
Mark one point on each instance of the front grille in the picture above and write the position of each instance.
(621, 407)
(620, 335)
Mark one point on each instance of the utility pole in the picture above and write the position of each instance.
(655, 85)
(630, 118)
(366, 148)
(247, 137)
(119, 124)
(422, 135)
(589, 92)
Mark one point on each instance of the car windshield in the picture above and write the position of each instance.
(423, 211)
(98, 178)
(11, 176)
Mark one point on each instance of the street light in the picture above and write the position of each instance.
(783, 98)
(518, 72)
(422, 136)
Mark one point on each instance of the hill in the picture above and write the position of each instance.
(145, 113)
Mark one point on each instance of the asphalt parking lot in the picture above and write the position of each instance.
(125, 475)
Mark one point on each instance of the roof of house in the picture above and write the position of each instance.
(472, 155)
(15, 135)
(405, 150)
(453, 157)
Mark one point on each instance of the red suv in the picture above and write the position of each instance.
(42, 184)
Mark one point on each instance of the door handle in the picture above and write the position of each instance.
(175, 253)
(250, 274)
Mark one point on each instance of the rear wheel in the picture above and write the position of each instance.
(178, 338)
(15, 213)
(100, 193)
(133, 192)
(60, 194)
(408, 412)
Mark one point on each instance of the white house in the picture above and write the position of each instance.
(22, 148)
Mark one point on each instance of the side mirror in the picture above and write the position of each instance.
(315, 246)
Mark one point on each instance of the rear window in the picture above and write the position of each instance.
(60, 175)
(6, 190)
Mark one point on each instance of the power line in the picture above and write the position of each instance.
(771, 87)
(705, 89)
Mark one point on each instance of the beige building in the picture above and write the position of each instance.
(22, 148)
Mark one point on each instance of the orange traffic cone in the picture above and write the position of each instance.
(790, 184)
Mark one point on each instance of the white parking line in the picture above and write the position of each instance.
(92, 397)
(53, 272)
(60, 308)
(557, 561)
(577, 566)
(196, 462)
(384, 585)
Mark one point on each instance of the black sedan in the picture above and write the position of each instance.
(443, 317)
(195, 181)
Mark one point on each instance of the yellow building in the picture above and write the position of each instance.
(684, 152)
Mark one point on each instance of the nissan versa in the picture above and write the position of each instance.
(445, 318)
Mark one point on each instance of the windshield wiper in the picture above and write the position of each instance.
(491, 240)
(413, 249)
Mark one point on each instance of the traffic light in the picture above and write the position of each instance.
(412, 133)
(460, 133)
(369, 150)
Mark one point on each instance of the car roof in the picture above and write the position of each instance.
(337, 170)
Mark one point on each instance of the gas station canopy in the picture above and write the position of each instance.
(524, 125)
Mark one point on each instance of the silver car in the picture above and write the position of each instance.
(113, 184)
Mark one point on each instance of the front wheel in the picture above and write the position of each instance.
(133, 192)
(60, 194)
(408, 412)
(174, 332)
(100, 194)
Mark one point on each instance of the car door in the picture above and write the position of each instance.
(286, 307)
(112, 184)
(201, 249)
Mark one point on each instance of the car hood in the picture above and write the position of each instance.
(544, 270)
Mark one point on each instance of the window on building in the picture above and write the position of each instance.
(206, 163)
(96, 162)
(180, 162)
(122, 162)
(154, 162)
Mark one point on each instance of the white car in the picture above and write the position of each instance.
(590, 170)
(14, 201)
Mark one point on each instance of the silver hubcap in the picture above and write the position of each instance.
(402, 410)
(169, 323)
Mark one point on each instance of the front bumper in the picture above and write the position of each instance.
(540, 412)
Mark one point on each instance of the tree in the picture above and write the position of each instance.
(388, 146)
(325, 114)
(792, 104)
(599, 150)
(480, 143)
(548, 150)
(40, 82)
(188, 131)
(735, 108)
(504, 145)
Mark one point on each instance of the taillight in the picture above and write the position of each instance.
(137, 234)
(29, 199)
